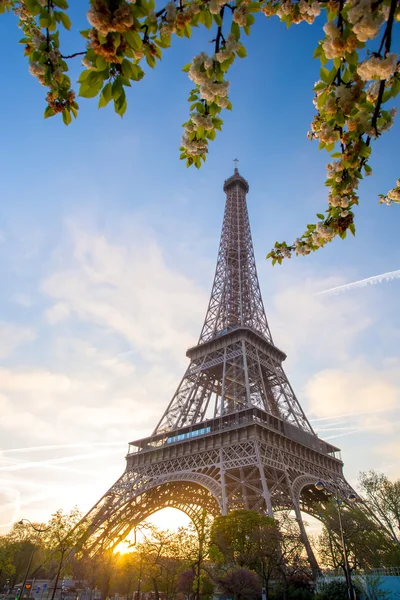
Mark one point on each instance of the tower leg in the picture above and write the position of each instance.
(316, 571)
(264, 485)
(223, 485)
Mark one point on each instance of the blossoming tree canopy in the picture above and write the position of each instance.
(359, 77)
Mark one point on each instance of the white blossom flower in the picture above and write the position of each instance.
(231, 46)
(372, 91)
(194, 147)
(35, 69)
(202, 120)
(215, 6)
(170, 11)
(326, 233)
(331, 30)
(375, 67)
(240, 14)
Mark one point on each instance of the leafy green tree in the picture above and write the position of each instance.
(359, 76)
(61, 535)
(383, 499)
(163, 561)
(247, 539)
(6, 559)
(21, 541)
(368, 545)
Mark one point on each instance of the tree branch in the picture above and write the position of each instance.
(73, 55)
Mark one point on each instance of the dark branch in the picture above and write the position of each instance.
(73, 55)
(219, 31)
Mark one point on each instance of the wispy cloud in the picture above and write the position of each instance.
(341, 289)
(62, 446)
(56, 461)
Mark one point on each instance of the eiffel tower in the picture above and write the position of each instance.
(234, 434)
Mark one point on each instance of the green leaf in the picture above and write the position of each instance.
(235, 30)
(317, 51)
(162, 43)
(120, 104)
(365, 151)
(218, 20)
(33, 7)
(106, 95)
(186, 68)
(208, 21)
(151, 61)
(49, 112)
(65, 20)
(116, 89)
(101, 63)
(83, 76)
(66, 115)
(187, 30)
(241, 51)
(340, 119)
(395, 87)
(352, 58)
(322, 99)
(367, 169)
(126, 67)
(44, 22)
(63, 4)
(323, 58)
(337, 62)
(320, 216)
(324, 75)
(90, 90)
(133, 39)
(250, 20)
(138, 72)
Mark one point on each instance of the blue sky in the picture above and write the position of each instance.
(107, 252)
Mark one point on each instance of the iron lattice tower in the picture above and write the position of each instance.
(234, 434)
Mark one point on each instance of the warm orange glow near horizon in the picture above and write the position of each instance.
(170, 519)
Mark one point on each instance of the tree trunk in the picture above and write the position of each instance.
(57, 578)
(105, 588)
(156, 594)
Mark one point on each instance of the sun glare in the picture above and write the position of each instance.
(166, 518)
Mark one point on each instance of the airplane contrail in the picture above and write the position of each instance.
(340, 289)
(62, 446)
(354, 414)
(56, 461)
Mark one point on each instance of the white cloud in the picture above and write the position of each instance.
(127, 287)
(57, 313)
(22, 300)
(304, 324)
(37, 381)
(357, 387)
(12, 336)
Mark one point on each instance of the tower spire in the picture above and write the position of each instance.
(235, 297)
